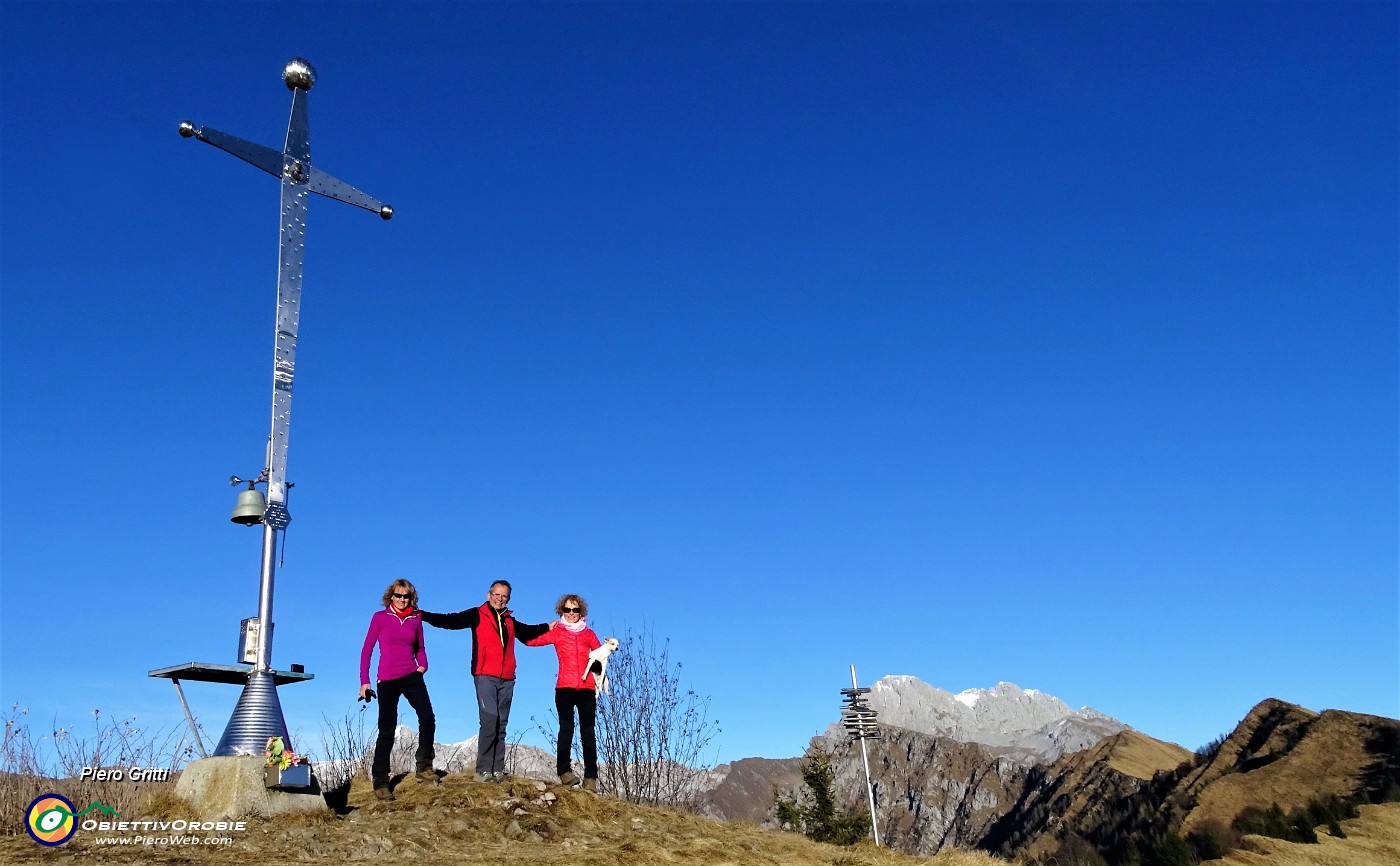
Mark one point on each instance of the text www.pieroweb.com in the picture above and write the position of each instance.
(164, 832)
(162, 840)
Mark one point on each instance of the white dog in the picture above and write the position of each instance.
(598, 665)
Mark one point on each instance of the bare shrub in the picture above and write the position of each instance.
(515, 763)
(653, 733)
(33, 765)
(347, 747)
(548, 728)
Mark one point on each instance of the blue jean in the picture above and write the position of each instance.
(493, 697)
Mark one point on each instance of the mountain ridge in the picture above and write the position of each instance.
(1033, 725)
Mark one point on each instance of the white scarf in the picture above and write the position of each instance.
(575, 627)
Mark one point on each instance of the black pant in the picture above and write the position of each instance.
(415, 690)
(587, 702)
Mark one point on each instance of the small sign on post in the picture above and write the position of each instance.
(859, 721)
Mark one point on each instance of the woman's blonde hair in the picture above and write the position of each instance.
(565, 599)
(388, 598)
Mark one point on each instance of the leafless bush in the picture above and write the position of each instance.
(653, 734)
(514, 765)
(346, 746)
(548, 728)
(33, 765)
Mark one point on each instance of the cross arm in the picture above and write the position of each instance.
(265, 158)
(330, 187)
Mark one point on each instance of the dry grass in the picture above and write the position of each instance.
(1373, 839)
(1140, 756)
(468, 822)
(35, 763)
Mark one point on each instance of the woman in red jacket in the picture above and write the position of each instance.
(573, 640)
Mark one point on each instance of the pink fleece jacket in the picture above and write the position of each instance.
(401, 648)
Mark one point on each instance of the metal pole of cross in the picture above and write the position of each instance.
(258, 714)
(859, 721)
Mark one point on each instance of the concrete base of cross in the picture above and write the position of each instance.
(233, 788)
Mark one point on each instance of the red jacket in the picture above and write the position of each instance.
(493, 637)
(573, 649)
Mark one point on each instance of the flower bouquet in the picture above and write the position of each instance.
(284, 768)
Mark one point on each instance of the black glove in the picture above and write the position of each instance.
(367, 696)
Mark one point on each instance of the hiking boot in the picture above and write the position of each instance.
(486, 777)
(383, 793)
(428, 776)
(568, 778)
(590, 785)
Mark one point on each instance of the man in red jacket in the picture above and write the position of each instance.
(494, 633)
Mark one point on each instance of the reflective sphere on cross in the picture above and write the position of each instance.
(299, 74)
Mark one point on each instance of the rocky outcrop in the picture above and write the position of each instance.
(931, 793)
(745, 789)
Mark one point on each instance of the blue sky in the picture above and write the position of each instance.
(1053, 343)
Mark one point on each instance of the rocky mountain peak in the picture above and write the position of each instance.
(1031, 725)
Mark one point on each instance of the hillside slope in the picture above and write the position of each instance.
(522, 823)
(1091, 793)
(1372, 840)
(1131, 790)
(1282, 753)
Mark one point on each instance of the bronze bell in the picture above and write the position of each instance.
(250, 508)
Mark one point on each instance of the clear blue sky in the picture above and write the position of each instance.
(1053, 343)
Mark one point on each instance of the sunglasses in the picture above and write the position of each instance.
(573, 610)
(402, 595)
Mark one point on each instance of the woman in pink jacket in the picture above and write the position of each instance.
(403, 659)
(573, 640)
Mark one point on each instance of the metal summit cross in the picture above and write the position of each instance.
(258, 714)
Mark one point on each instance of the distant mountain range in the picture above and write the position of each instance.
(1019, 773)
(1023, 724)
(959, 761)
